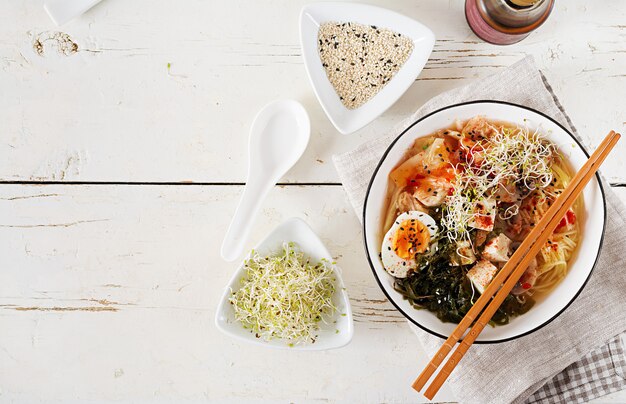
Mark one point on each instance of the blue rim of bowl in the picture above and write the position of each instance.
(367, 193)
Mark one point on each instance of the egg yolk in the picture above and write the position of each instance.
(411, 237)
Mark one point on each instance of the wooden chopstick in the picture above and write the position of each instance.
(527, 251)
(546, 225)
(491, 289)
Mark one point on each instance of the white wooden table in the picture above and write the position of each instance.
(123, 154)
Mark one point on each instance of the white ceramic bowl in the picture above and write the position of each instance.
(346, 120)
(298, 231)
(582, 263)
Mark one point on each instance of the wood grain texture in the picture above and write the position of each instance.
(95, 100)
(131, 287)
(108, 292)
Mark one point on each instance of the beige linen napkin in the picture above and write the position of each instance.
(579, 355)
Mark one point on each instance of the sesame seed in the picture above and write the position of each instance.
(360, 60)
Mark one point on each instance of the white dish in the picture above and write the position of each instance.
(346, 120)
(580, 266)
(332, 335)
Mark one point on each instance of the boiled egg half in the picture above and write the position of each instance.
(410, 234)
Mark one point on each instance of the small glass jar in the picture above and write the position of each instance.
(505, 22)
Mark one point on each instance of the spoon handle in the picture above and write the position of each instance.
(253, 195)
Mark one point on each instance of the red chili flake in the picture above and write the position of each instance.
(571, 216)
(527, 285)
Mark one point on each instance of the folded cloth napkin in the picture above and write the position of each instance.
(578, 356)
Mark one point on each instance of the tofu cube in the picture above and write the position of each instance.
(481, 274)
(481, 237)
(484, 215)
(497, 249)
(464, 255)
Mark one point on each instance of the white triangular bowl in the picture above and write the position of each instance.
(346, 120)
(332, 335)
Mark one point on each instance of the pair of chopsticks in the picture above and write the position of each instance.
(515, 267)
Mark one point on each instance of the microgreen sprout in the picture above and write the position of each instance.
(285, 296)
(511, 158)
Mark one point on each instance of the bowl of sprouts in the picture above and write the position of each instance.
(288, 293)
(453, 197)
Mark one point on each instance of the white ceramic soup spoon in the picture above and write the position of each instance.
(278, 137)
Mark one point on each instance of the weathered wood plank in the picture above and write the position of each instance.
(122, 94)
(115, 288)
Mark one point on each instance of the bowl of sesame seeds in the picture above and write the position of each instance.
(360, 59)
